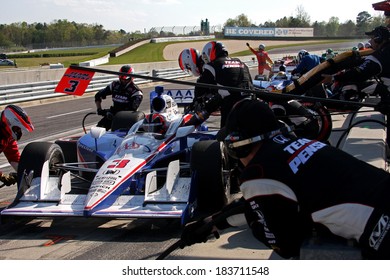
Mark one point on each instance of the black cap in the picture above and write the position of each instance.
(380, 31)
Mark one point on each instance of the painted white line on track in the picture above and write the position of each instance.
(70, 113)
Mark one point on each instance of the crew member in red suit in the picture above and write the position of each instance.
(264, 62)
(13, 122)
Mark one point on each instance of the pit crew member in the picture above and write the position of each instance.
(126, 96)
(14, 121)
(291, 185)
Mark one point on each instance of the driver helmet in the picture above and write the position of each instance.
(367, 45)
(301, 54)
(16, 121)
(281, 76)
(262, 47)
(128, 70)
(190, 61)
(164, 104)
(360, 46)
(213, 50)
(155, 123)
(329, 51)
(241, 133)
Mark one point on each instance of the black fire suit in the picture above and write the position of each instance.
(294, 184)
(223, 71)
(125, 97)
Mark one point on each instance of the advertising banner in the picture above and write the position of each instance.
(267, 32)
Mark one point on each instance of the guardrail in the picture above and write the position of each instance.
(11, 94)
(16, 93)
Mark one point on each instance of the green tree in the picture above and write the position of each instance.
(332, 26)
(283, 22)
(99, 32)
(347, 29)
(319, 28)
(377, 21)
(302, 17)
(363, 21)
(62, 33)
(241, 20)
(268, 24)
(4, 41)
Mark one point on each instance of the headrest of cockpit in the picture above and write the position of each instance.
(161, 103)
(158, 104)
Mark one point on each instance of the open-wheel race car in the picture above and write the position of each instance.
(125, 172)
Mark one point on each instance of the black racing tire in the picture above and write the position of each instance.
(124, 120)
(34, 156)
(207, 164)
(69, 148)
(324, 120)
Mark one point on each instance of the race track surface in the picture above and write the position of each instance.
(172, 51)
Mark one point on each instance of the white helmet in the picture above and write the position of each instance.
(360, 45)
(190, 61)
(16, 121)
(164, 104)
(213, 50)
(262, 47)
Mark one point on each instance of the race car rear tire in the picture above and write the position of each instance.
(34, 156)
(324, 120)
(207, 166)
(124, 120)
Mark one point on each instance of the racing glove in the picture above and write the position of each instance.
(8, 179)
(196, 105)
(101, 112)
(197, 232)
(105, 113)
(213, 103)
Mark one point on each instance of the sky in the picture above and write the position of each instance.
(142, 15)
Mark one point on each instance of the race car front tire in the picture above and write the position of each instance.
(34, 156)
(69, 148)
(208, 179)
